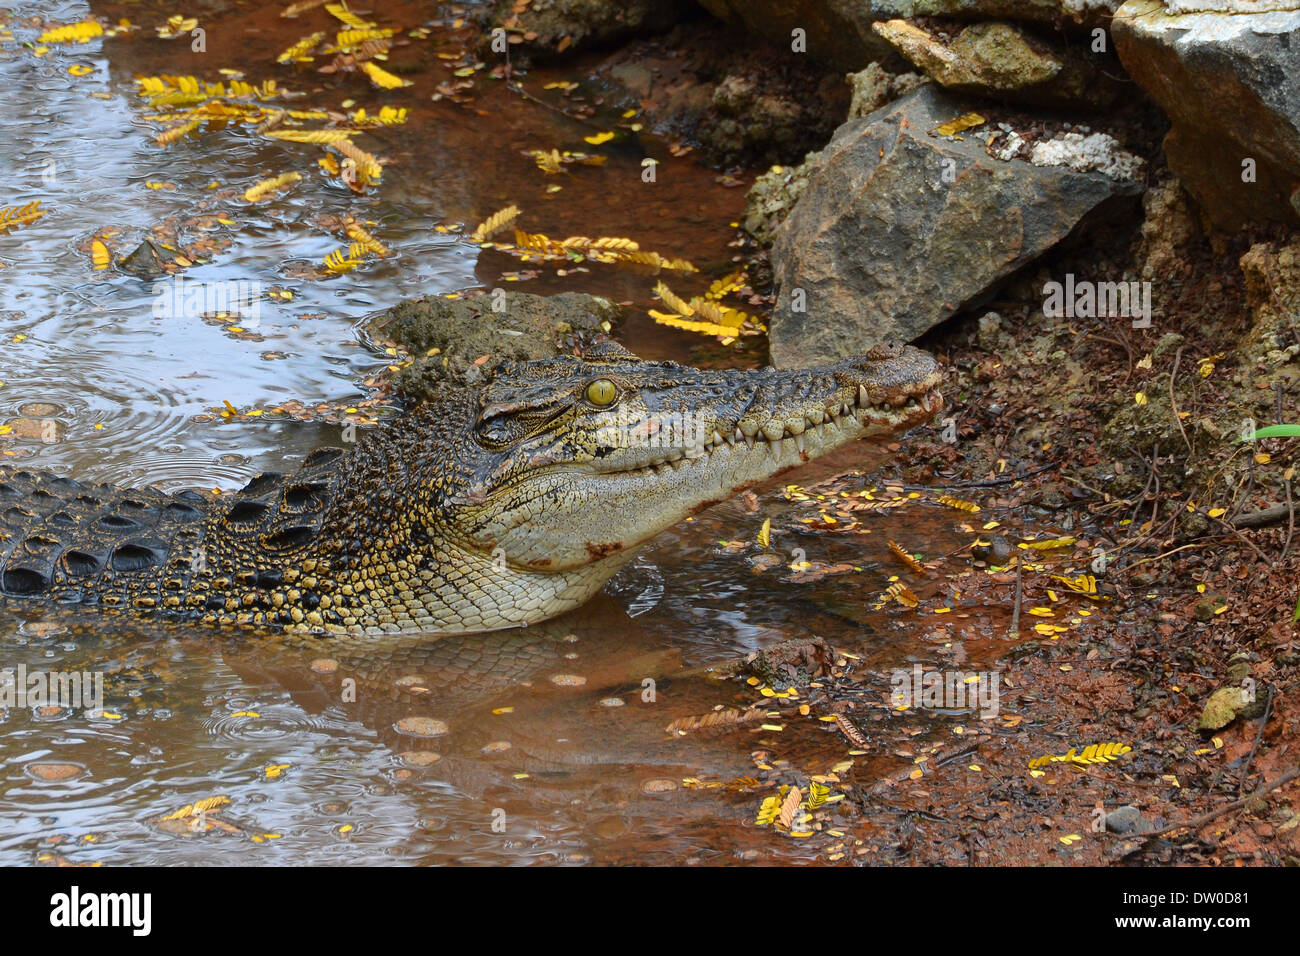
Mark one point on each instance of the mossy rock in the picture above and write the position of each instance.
(1222, 708)
(454, 342)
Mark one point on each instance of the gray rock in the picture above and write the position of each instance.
(1127, 819)
(1230, 83)
(874, 87)
(990, 332)
(145, 261)
(899, 229)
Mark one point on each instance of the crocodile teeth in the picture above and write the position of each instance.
(776, 448)
(749, 440)
(799, 443)
(862, 395)
(717, 438)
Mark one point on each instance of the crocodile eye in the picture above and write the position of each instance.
(495, 435)
(602, 392)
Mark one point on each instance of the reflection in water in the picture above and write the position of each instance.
(413, 748)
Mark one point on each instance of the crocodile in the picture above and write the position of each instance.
(505, 504)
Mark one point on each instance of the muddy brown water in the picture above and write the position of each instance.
(550, 744)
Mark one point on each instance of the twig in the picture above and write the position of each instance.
(1259, 519)
(1290, 522)
(1173, 402)
(1200, 821)
(1008, 479)
(1013, 630)
(1159, 557)
(1153, 475)
(1244, 540)
(1290, 509)
(1268, 712)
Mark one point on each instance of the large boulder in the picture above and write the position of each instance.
(1230, 82)
(839, 31)
(900, 227)
(1002, 60)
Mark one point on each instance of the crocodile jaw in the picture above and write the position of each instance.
(615, 510)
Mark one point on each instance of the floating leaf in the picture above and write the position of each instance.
(789, 807)
(366, 167)
(350, 38)
(769, 811)
(382, 78)
(199, 806)
(342, 260)
(82, 32)
(302, 6)
(317, 137)
(15, 216)
(817, 795)
(901, 593)
(719, 718)
(299, 50)
(908, 561)
(958, 503)
(495, 223)
(341, 12)
(176, 133)
(361, 236)
(267, 186)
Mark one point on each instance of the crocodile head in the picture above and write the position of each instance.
(573, 462)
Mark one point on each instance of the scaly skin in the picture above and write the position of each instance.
(504, 505)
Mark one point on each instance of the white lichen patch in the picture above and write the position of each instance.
(1229, 6)
(1079, 9)
(1012, 148)
(1097, 152)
